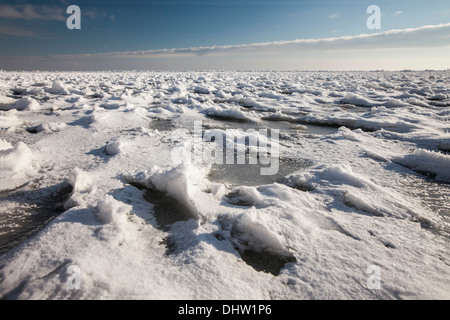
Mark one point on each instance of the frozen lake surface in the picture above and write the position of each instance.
(88, 180)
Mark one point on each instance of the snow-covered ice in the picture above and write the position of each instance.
(363, 182)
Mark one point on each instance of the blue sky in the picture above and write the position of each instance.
(38, 28)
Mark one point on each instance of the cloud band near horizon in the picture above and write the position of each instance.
(430, 36)
(426, 36)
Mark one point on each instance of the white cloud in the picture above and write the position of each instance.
(427, 46)
(399, 12)
(31, 12)
(333, 15)
(426, 36)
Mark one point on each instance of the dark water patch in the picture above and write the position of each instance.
(169, 244)
(18, 91)
(251, 174)
(439, 103)
(333, 126)
(234, 198)
(96, 95)
(285, 126)
(162, 125)
(110, 106)
(250, 162)
(351, 107)
(321, 130)
(7, 192)
(298, 185)
(228, 118)
(444, 148)
(294, 125)
(261, 259)
(33, 130)
(34, 210)
(167, 210)
(266, 261)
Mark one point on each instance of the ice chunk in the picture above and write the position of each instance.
(9, 120)
(182, 183)
(114, 147)
(112, 211)
(25, 103)
(82, 186)
(344, 174)
(233, 113)
(417, 102)
(14, 164)
(255, 231)
(6, 100)
(349, 134)
(202, 90)
(394, 103)
(5, 145)
(223, 95)
(58, 88)
(80, 181)
(439, 96)
(47, 127)
(444, 145)
(423, 92)
(428, 161)
(357, 100)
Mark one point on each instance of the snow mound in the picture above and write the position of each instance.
(428, 161)
(394, 103)
(254, 230)
(82, 187)
(58, 88)
(25, 103)
(232, 113)
(112, 211)
(423, 92)
(202, 90)
(417, 102)
(359, 192)
(444, 145)
(439, 96)
(357, 100)
(5, 145)
(6, 100)
(80, 181)
(279, 116)
(9, 120)
(344, 175)
(182, 183)
(114, 148)
(48, 127)
(14, 164)
(349, 134)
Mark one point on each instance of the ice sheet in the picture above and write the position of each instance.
(364, 197)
